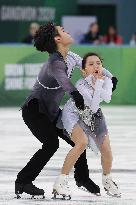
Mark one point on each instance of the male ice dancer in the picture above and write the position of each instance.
(41, 109)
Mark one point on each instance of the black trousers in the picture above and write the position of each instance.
(47, 133)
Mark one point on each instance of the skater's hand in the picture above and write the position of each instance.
(114, 82)
(98, 75)
(78, 98)
(101, 77)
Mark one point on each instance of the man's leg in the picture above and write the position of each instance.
(81, 173)
(45, 132)
(36, 163)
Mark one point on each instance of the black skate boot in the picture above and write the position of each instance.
(89, 186)
(29, 189)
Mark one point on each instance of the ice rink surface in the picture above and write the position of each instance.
(17, 145)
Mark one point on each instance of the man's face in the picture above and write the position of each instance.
(64, 37)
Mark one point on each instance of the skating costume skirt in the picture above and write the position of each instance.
(93, 124)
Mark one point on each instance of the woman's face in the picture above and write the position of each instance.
(93, 66)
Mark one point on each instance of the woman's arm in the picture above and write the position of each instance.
(102, 90)
(114, 79)
(91, 99)
(107, 73)
(106, 91)
(74, 60)
(97, 95)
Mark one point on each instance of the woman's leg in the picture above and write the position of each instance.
(106, 156)
(106, 160)
(81, 141)
(81, 173)
(61, 184)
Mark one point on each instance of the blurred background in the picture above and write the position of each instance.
(104, 26)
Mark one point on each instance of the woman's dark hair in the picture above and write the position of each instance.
(86, 56)
(44, 38)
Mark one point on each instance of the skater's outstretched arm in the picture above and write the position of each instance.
(59, 73)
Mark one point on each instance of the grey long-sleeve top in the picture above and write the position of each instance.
(50, 86)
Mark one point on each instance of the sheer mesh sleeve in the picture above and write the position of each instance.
(75, 59)
(106, 91)
(107, 73)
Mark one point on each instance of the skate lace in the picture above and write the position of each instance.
(114, 183)
(109, 181)
(65, 183)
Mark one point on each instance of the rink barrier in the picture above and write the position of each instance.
(20, 64)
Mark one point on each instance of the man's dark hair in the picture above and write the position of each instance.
(44, 38)
(86, 56)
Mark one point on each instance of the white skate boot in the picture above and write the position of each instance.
(61, 188)
(110, 186)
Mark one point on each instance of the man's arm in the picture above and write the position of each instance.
(58, 72)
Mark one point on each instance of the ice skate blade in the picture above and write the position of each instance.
(18, 196)
(84, 189)
(113, 195)
(37, 197)
(31, 197)
(62, 196)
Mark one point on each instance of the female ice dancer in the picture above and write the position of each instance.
(88, 126)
